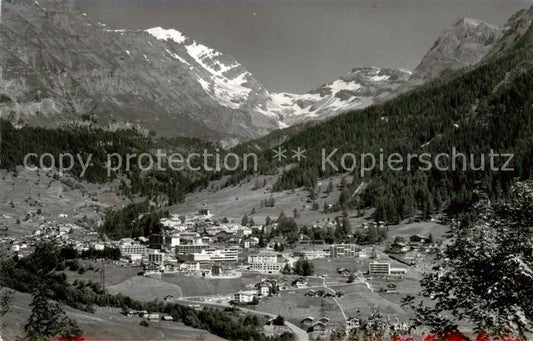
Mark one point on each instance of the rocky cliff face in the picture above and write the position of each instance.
(357, 89)
(517, 30)
(59, 66)
(464, 44)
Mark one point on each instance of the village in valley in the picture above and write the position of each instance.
(298, 281)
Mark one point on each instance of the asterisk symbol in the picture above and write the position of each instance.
(298, 154)
(279, 154)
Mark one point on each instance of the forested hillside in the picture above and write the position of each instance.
(487, 108)
(163, 185)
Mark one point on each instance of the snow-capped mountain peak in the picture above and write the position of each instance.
(232, 86)
(170, 34)
(221, 77)
(357, 89)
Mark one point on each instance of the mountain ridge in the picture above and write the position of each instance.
(62, 67)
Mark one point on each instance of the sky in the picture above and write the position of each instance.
(298, 45)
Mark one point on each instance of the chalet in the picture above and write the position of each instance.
(152, 317)
(190, 266)
(269, 320)
(307, 321)
(416, 240)
(151, 268)
(345, 273)
(300, 282)
(250, 242)
(304, 239)
(318, 327)
(170, 268)
(204, 212)
(319, 293)
(398, 247)
(324, 319)
(264, 288)
(310, 292)
(277, 240)
(224, 236)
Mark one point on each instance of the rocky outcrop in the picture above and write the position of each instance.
(462, 45)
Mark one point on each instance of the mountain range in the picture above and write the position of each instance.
(60, 67)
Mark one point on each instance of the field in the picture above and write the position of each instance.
(294, 306)
(236, 201)
(32, 197)
(114, 274)
(146, 289)
(358, 298)
(105, 324)
(329, 266)
(406, 229)
(197, 286)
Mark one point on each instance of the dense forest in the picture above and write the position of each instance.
(478, 111)
(132, 221)
(81, 142)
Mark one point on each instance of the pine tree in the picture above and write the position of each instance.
(261, 242)
(48, 319)
(281, 216)
(485, 276)
(295, 213)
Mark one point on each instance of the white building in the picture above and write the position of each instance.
(99, 246)
(398, 271)
(190, 266)
(230, 254)
(311, 254)
(376, 268)
(175, 223)
(264, 289)
(131, 248)
(266, 262)
(172, 240)
(343, 250)
(362, 254)
(244, 296)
